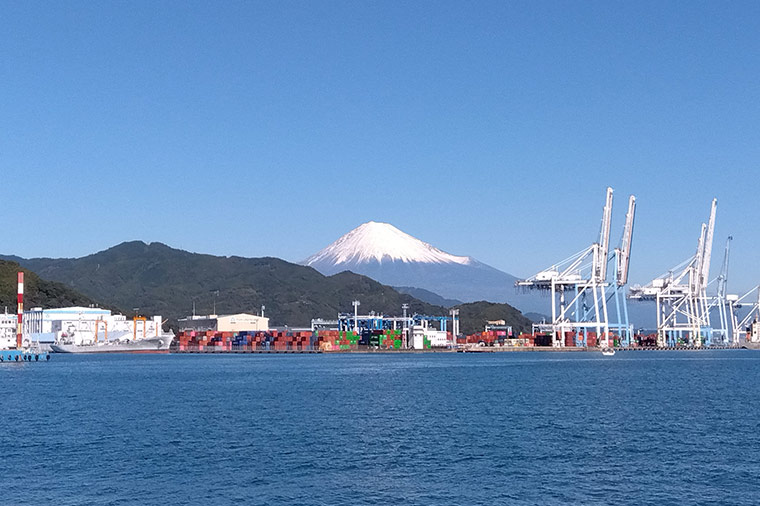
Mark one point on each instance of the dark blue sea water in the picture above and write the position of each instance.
(434, 429)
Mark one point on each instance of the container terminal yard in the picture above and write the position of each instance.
(588, 305)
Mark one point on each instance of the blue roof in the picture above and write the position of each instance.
(77, 310)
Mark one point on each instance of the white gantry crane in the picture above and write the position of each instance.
(582, 278)
(749, 326)
(681, 294)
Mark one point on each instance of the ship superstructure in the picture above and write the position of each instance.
(80, 331)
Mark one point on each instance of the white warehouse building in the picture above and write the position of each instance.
(224, 323)
(45, 325)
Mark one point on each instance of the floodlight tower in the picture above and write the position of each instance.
(585, 274)
(405, 328)
(454, 325)
(356, 305)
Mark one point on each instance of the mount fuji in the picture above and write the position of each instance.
(390, 256)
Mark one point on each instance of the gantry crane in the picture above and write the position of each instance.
(749, 325)
(680, 294)
(584, 277)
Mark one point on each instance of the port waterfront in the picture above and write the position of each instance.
(467, 349)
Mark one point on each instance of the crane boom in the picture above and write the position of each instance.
(723, 277)
(706, 255)
(695, 280)
(624, 257)
(600, 269)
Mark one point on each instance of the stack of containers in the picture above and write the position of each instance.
(262, 341)
(390, 339)
(337, 340)
(528, 339)
(488, 337)
(247, 341)
(326, 339)
(186, 340)
(348, 340)
(220, 341)
(291, 340)
(192, 340)
(242, 341)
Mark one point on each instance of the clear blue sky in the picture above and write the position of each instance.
(488, 129)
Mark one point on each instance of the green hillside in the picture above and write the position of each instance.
(474, 316)
(37, 292)
(161, 280)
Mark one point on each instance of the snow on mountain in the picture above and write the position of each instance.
(388, 255)
(379, 242)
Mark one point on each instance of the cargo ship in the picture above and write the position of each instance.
(158, 344)
(111, 334)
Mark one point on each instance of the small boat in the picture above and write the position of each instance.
(608, 352)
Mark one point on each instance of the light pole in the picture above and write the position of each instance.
(216, 294)
(405, 329)
(356, 304)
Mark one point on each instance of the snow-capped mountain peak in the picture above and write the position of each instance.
(379, 242)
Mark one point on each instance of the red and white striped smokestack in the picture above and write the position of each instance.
(20, 316)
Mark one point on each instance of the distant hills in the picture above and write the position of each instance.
(157, 279)
(37, 292)
(427, 296)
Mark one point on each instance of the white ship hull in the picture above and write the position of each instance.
(148, 345)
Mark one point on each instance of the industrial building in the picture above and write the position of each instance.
(88, 324)
(43, 324)
(224, 323)
(7, 330)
